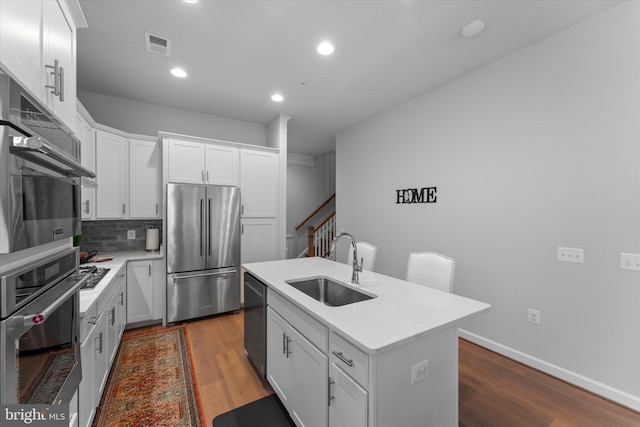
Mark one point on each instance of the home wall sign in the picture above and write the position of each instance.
(416, 195)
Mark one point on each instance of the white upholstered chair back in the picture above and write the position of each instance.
(367, 254)
(431, 269)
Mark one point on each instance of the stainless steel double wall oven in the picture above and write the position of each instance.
(39, 213)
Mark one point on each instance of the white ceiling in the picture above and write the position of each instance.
(238, 53)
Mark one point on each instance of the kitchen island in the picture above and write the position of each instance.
(389, 360)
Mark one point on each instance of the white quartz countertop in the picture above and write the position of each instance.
(119, 261)
(401, 312)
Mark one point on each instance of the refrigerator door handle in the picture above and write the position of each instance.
(209, 224)
(222, 273)
(201, 227)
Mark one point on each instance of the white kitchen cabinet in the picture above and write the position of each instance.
(259, 183)
(20, 42)
(58, 49)
(258, 240)
(140, 291)
(144, 179)
(35, 36)
(88, 389)
(86, 134)
(348, 401)
(112, 175)
(186, 162)
(298, 373)
(202, 163)
(221, 165)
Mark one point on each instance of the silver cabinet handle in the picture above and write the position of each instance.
(284, 343)
(99, 339)
(58, 76)
(202, 176)
(207, 176)
(87, 206)
(331, 396)
(121, 297)
(288, 353)
(242, 210)
(93, 320)
(113, 316)
(156, 209)
(339, 355)
(149, 269)
(123, 208)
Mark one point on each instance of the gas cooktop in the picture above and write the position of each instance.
(97, 273)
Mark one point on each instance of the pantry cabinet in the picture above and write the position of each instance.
(259, 239)
(112, 175)
(259, 183)
(38, 47)
(144, 179)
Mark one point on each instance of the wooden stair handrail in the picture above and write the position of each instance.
(316, 211)
(311, 231)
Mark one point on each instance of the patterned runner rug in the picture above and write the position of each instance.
(152, 383)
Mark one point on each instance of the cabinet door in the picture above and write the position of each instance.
(349, 401)
(310, 370)
(139, 291)
(87, 391)
(186, 162)
(222, 164)
(121, 305)
(259, 183)
(58, 44)
(88, 159)
(112, 170)
(20, 33)
(278, 364)
(144, 179)
(258, 240)
(101, 358)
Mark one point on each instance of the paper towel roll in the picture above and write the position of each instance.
(153, 239)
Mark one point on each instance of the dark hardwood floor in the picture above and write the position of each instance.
(494, 391)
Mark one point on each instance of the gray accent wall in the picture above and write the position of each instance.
(537, 150)
(111, 236)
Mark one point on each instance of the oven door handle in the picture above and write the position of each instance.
(34, 143)
(37, 318)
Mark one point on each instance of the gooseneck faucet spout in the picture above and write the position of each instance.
(332, 255)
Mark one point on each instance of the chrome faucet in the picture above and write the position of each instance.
(332, 255)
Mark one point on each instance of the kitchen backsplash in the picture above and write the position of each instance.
(111, 236)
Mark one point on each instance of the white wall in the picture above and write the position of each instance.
(148, 119)
(538, 150)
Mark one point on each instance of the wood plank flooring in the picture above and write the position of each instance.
(494, 391)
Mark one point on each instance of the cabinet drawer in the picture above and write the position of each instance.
(312, 330)
(350, 359)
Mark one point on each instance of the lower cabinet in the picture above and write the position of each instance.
(347, 400)
(140, 291)
(100, 333)
(298, 373)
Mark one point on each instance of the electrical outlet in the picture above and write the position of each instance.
(533, 316)
(131, 234)
(419, 371)
(575, 255)
(630, 262)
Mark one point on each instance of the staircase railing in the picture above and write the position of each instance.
(320, 237)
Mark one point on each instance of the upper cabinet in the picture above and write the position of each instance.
(202, 163)
(259, 183)
(86, 134)
(144, 179)
(38, 47)
(112, 170)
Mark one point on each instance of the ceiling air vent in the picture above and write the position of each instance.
(157, 44)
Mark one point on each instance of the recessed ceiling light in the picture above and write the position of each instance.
(473, 28)
(276, 97)
(325, 48)
(179, 72)
(190, 1)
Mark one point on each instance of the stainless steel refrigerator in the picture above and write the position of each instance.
(203, 250)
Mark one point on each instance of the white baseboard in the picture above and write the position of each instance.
(588, 384)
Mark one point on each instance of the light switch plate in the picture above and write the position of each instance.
(630, 262)
(131, 234)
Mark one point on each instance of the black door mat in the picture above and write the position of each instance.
(266, 412)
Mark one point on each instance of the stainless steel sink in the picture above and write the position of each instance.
(328, 292)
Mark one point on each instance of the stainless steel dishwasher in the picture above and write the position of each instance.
(255, 323)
